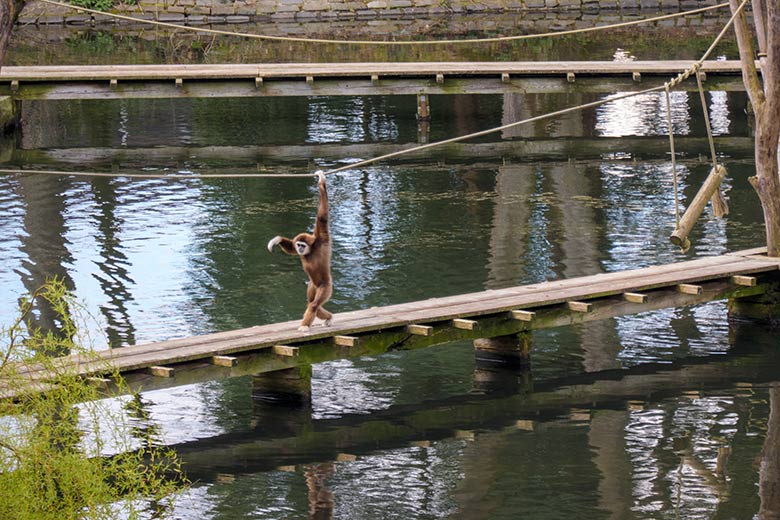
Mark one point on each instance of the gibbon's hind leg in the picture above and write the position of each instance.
(325, 316)
(321, 295)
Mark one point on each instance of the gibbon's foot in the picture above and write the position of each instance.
(303, 328)
(327, 322)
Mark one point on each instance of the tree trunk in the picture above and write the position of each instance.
(766, 103)
(769, 474)
(9, 12)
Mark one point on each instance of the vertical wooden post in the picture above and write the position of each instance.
(423, 108)
(503, 363)
(512, 350)
(423, 118)
(763, 308)
(287, 387)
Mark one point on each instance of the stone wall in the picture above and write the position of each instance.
(242, 11)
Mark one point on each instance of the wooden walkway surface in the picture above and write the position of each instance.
(440, 320)
(380, 78)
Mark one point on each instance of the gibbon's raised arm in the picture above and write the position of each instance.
(321, 227)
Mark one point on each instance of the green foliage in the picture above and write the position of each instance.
(67, 451)
(98, 5)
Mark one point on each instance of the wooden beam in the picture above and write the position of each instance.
(419, 330)
(310, 80)
(375, 79)
(179, 82)
(346, 341)
(679, 236)
(747, 281)
(259, 82)
(522, 315)
(635, 297)
(579, 306)
(460, 323)
(285, 350)
(224, 361)
(160, 371)
(687, 288)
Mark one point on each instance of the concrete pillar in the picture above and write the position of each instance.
(288, 387)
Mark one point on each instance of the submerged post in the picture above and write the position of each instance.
(763, 308)
(503, 362)
(287, 387)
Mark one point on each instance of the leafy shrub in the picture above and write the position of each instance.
(66, 451)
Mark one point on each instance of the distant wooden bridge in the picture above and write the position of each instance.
(352, 79)
(498, 314)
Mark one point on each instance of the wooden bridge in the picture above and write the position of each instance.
(500, 314)
(352, 79)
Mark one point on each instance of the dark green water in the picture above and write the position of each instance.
(659, 415)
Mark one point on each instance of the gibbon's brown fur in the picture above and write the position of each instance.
(314, 250)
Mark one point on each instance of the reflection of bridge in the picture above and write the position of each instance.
(501, 321)
(352, 79)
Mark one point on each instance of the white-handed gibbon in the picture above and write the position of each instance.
(314, 250)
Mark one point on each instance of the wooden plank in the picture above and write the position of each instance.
(335, 86)
(579, 306)
(687, 288)
(346, 341)
(224, 361)
(748, 281)
(509, 299)
(161, 371)
(285, 331)
(635, 297)
(285, 350)
(552, 316)
(419, 330)
(315, 70)
(522, 315)
(445, 306)
(460, 323)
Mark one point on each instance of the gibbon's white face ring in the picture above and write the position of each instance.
(302, 248)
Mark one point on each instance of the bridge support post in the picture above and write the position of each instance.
(9, 115)
(763, 308)
(503, 363)
(423, 118)
(287, 387)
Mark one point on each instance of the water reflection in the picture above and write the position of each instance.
(162, 259)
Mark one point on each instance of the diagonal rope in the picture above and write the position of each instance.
(674, 159)
(384, 42)
(707, 121)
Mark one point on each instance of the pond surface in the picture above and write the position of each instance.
(658, 415)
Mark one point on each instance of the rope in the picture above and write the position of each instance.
(383, 42)
(707, 121)
(674, 160)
